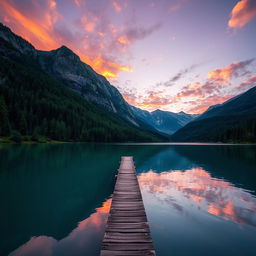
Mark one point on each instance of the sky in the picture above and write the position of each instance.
(174, 55)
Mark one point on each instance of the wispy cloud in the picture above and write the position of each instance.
(198, 106)
(179, 75)
(198, 96)
(217, 88)
(91, 34)
(36, 27)
(150, 100)
(153, 100)
(243, 12)
(138, 33)
(224, 74)
(177, 4)
(250, 82)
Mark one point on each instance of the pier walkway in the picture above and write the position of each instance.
(127, 231)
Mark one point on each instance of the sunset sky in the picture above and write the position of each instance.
(175, 55)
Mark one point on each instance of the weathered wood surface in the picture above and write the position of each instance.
(127, 231)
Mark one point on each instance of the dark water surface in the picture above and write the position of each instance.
(199, 199)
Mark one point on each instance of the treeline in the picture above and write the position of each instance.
(32, 104)
(242, 131)
(229, 129)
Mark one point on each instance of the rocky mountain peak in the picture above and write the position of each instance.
(14, 41)
(65, 51)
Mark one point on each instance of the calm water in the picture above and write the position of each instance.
(199, 199)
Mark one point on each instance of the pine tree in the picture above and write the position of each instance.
(23, 128)
(4, 120)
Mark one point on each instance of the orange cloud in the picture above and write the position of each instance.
(109, 69)
(39, 24)
(89, 26)
(243, 12)
(192, 90)
(31, 29)
(220, 75)
(42, 24)
(123, 40)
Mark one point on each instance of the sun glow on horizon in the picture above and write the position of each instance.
(146, 52)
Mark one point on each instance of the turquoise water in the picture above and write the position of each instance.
(199, 199)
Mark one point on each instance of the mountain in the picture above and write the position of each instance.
(232, 121)
(163, 121)
(66, 67)
(53, 93)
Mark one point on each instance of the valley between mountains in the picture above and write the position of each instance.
(53, 95)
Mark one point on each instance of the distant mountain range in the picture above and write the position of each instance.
(164, 121)
(232, 121)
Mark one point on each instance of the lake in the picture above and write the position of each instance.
(199, 199)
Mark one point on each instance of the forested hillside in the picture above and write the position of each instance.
(232, 121)
(33, 104)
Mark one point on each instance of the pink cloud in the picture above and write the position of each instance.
(150, 100)
(223, 75)
(42, 24)
(199, 106)
(251, 81)
(176, 5)
(191, 90)
(35, 26)
(243, 12)
(117, 6)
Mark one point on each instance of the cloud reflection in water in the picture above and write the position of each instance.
(215, 196)
(84, 240)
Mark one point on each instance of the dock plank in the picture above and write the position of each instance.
(127, 231)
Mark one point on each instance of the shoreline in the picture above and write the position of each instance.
(30, 142)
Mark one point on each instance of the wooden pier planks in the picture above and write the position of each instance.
(127, 231)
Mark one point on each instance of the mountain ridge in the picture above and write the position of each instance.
(232, 121)
(23, 65)
(65, 66)
(165, 122)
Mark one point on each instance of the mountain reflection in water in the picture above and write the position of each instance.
(196, 187)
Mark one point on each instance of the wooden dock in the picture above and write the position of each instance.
(127, 230)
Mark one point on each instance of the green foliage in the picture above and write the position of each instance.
(4, 120)
(228, 128)
(16, 136)
(35, 135)
(34, 104)
(22, 125)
